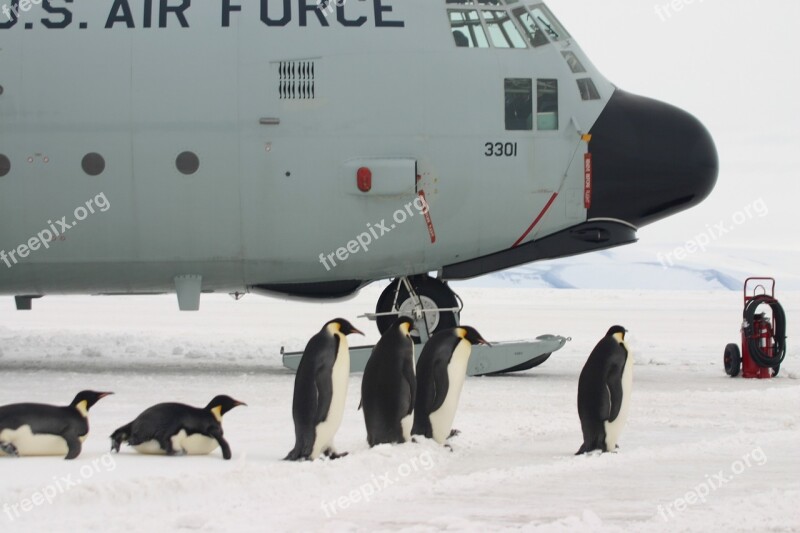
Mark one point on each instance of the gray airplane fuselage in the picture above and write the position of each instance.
(284, 146)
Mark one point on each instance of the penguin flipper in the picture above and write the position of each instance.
(411, 379)
(614, 385)
(324, 388)
(223, 444)
(74, 447)
(441, 383)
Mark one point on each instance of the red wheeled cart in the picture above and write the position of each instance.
(763, 335)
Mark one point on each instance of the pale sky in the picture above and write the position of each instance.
(733, 64)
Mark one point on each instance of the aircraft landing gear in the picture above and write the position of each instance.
(418, 297)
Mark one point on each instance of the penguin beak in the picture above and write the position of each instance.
(358, 332)
(102, 395)
(238, 403)
(484, 342)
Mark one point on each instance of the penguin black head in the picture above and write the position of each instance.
(471, 334)
(345, 327)
(618, 332)
(404, 323)
(86, 399)
(222, 404)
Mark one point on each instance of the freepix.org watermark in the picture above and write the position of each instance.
(327, 7)
(12, 13)
(59, 486)
(375, 232)
(711, 484)
(701, 241)
(367, 491)
(666, 10)
(55, 230)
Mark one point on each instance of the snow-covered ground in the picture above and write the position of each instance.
(701, 452)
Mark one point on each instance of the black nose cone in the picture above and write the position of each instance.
(650, 160)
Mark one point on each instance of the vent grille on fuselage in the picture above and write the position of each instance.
(297, 80)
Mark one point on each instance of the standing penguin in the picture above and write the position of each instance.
(178, 429)
(320, 390)
(388, 389)
(441, 371)
(30, 429)
(604, 391)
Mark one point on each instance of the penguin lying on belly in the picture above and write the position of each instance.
(178, 429)
(604, 391)
(32, 429)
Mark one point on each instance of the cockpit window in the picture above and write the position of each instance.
(545, 19)
(547, 105)
(467, 29)
(503, 24)
(502, 31)
(588, 89)
(519, 104)
(534, 33)
(575, 64)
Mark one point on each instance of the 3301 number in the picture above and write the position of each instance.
(501, 150)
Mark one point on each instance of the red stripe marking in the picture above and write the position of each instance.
(431, 229)
(538, 219)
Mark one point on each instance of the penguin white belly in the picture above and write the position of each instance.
(614, 429)
(340, 377)
(442, 418)
(29, 444)
(151, 447)
(195, 444)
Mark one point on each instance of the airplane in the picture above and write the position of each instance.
(308, 148)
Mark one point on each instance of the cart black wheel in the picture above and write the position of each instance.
(434, 294)
(733, 360)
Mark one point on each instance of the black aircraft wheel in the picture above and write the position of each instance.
(433, 294)
(733, 360)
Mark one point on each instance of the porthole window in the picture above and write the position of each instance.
(5, 165)
(187, 163)
(93, 164)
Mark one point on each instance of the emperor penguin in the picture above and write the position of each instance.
(441, 371)
(604, 392)
(33, 429)
(178, 429)
(320, 390)
(388, 388)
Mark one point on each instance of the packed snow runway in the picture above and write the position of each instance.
(701, 451)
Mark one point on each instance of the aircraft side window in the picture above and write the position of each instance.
(588, 89)
(467, 29)
(547, 105)
(533, 33)
(545, 19)
(5, 165)
(502, 30)
(519, 104)
(574, 63)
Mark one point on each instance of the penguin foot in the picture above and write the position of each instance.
(9, 449)
(454, 433)
(449, 447)
(332, 455)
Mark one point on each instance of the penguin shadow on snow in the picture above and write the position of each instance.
(177, 429)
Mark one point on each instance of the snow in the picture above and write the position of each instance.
(512, 467)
